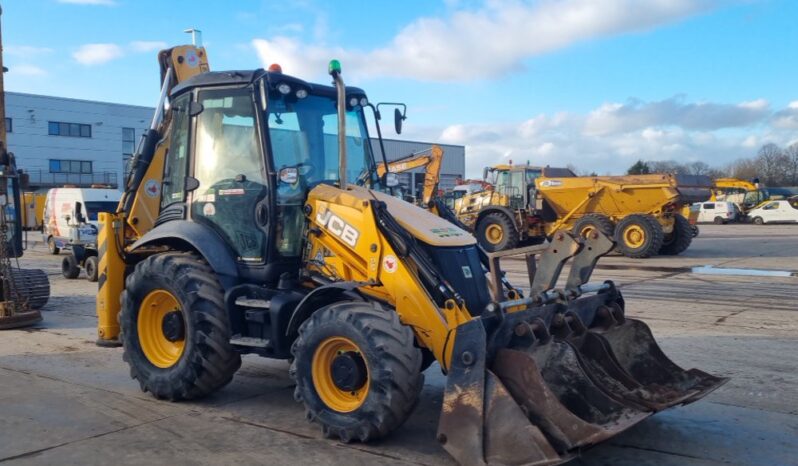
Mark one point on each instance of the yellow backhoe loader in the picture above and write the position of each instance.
(239, 233)
(430, 159)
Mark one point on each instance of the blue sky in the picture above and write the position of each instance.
(593, 83)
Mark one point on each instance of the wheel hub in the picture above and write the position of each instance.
(494, 233)
(349, 371)
(173, 326)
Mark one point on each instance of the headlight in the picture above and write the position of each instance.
(353, 102)
(301, 93)
(284, 88)
(364, 101)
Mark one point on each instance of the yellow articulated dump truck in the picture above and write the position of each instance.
(241, 231)
(528, 204)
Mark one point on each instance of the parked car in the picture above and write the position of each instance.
(718, 212)
(781, 211)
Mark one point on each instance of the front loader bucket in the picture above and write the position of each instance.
(480, 422)
(533, 406)
(636, 351)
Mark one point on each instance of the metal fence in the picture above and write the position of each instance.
(44, 179)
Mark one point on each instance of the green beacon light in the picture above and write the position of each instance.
(335, 66)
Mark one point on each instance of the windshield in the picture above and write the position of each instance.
(95, 207)
(304, 134)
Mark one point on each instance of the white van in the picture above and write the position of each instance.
(718, 212)
(70, 215)
(781, 211)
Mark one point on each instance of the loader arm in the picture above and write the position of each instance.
(431, 158)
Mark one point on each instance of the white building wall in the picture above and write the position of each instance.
(34, 147)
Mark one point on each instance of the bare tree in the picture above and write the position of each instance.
(744, 169)
(668, 166)
(698, 168)
(791, 153)
(771, 164)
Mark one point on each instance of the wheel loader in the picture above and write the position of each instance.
(528, 204)
(240, 233)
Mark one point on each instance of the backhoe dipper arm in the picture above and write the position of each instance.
(431, 158)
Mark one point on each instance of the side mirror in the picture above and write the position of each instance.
(397, 120)
(485, 174)
(79, 213)
(289, 175)
(391, 180)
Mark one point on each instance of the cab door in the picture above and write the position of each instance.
(229, 166)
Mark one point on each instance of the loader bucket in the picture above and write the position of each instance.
(530, 405)
(633, 347)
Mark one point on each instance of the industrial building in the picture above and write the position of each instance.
(60, 141)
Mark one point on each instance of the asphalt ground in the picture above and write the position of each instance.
(63, 400)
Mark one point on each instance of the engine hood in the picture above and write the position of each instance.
(422, 224)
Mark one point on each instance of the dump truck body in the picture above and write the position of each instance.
(540, 201)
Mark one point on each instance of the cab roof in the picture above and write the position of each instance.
(246, 77)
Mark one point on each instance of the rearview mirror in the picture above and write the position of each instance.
(397, 120)
(391, 180)
(289, 175)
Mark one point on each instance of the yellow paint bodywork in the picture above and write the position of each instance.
(146, 206)
(111, 275)
(372, 261)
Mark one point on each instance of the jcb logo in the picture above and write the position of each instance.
(338, 227)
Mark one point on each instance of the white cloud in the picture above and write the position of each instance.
(26, 70)
(147, 46)
(89, 2)
(485, 42)
(95, 54)
(666, 130)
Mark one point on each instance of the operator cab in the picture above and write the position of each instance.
(260, 141)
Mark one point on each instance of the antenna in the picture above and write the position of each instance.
(196, 36)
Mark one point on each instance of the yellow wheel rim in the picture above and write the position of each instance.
(494, 233)
(159, 350)
(634, 236)
(587, 231)
(334, 397)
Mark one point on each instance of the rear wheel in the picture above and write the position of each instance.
(591, 223)
(69, 267)
(174, 327)
(639, 236)
(51, 246)
(90, 265)
(356, 370)
(679, 240)
(759, 221)
(496, 232)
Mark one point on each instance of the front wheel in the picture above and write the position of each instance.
(496, 232)
(69, 267)
(174, 328)
(356, 370)
(90, 265)
(759, 221)
(719, 221)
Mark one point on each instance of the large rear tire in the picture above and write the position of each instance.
(174, 328)
(680, 239)
(593, 222)
(356, 370)
(496, 232)
(639, 236)
(90, 265)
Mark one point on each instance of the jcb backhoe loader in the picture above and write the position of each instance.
(240, 233)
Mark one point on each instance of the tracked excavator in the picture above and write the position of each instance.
(239, 232)
(22, 291)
